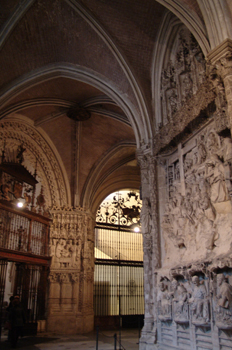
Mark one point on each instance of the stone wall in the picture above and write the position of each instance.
(187, 215)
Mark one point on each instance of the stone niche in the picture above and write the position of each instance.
(196, 217)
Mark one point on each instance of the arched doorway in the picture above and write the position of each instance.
(118, 277)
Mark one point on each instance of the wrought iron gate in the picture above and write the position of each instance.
(118, 278)
(29, 283)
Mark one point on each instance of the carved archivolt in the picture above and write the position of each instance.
(38, 152)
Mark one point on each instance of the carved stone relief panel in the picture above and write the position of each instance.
(197, 216)
(182, 75)
(196, 297)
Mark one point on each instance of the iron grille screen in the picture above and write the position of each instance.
(21, 234)
(118, 278)
(118, 245)
(118, 287)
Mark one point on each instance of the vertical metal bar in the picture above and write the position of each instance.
(46, 242)
(97, 338)
(29, 237)
(115, 341)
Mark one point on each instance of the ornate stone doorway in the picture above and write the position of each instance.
(118, 278)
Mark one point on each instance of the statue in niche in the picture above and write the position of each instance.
(179, 302)
(68, 249)
(216, 179)
(224, 303)
(164, 302)
(145, 216)
(199, 305)
(60, 247)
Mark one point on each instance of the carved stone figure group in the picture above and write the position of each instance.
(181, 80)
(185, 301)
(196, 197)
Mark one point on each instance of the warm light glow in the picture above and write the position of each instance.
(20, 204)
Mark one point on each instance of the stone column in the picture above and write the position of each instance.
(151, 246)
(70, 298)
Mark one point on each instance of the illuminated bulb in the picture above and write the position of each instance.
(20, 204)
(136, 229)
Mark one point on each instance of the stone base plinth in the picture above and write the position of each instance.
(70, 324)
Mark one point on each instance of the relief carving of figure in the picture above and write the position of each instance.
(227, 155)
(172, 104)
(224, 303)
(202, 153)
(164, 302)
(216, 179)
(187, 87)
(187, 207)
(205, 214)
(68, 249)
(145, 216)
(188, 162)
(199, 302)
(60, 247)
(179, 302)
(212, 143)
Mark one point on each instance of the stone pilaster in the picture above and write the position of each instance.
(70, 299)
(150, 230)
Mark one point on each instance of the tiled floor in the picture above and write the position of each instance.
(129, 341)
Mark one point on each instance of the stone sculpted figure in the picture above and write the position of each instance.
(199, 303)
(179, 302)
(227, 155)
(145, 216)
(164, 302)
(216, 179)
(224, 303)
